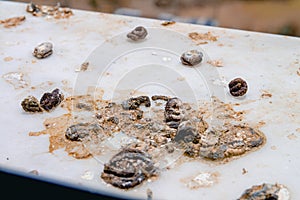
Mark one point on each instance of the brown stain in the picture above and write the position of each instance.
(218, 109)
(292, 136)
(55, 128)
(12, 22)
(260, 124)
(203, 36)
(8, 58)
(41, 86)
(71, 102)
(216, 63)
(67, 86)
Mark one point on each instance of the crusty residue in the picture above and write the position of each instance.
(202, 38)
(217, 133)
(13, 21)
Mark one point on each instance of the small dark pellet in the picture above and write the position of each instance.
(138, 33)
(238, 87)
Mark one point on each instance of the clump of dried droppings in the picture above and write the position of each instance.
(51, 100)
(173, 112)
(266, 191)
(138, 33)
(128, 168)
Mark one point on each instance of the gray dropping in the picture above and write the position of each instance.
(174, 112)
(43, 50)
(135, 102)
(79, 131)
(138, 33)
(191, 57)
(186, 132)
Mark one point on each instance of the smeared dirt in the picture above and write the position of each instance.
(223, 138)
(202, 38)
(55, 128)
(216, 63)
(12, 22)
(266, 94)
(168, 23)
(292, 136)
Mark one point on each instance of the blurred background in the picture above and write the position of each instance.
(270, 16)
